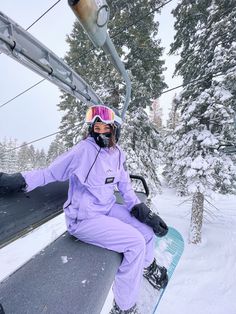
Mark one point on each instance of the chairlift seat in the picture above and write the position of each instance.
(68, 276)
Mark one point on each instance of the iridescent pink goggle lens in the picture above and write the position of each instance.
(106, 114)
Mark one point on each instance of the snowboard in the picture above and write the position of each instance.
(168, 251)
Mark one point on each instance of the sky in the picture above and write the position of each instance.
(35, 114)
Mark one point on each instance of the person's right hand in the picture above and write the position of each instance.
(10, 183)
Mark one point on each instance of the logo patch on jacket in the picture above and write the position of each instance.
(109, 180)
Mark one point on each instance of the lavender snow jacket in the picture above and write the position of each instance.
(93, 174)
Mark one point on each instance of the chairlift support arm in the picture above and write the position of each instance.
(93, 16)
(26, 49)
(110, 50)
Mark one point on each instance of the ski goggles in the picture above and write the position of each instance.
(104, 113)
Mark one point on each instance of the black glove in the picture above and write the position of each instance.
(10, 183)
(145, 215)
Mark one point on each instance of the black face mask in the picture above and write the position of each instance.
(102, 139)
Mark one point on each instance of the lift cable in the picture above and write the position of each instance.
(39, 18)
(42, 15)
(91, 49)
(26, 90)
(41, 138)
(34, 85)
(121, 30)
(116, 34)
(70, 128)
(164, 92)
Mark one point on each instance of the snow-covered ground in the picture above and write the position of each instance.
(204, 281)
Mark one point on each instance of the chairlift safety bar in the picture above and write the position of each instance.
(26, 49)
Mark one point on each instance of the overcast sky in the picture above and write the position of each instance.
(34, 114)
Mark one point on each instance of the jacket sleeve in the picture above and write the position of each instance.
(59, 170)
(125, 187)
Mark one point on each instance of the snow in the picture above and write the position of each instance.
(207, 138)
(222, 93)
(199, 163)
(64, 259)
(204, 280)
(17, 253)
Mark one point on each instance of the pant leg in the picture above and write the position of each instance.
(116, 235)
(121, 212)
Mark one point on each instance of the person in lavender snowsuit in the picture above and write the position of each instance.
(95, 167)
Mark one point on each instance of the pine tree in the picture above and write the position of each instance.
(9, 156)
(26, 158)
(40, 159)
(22, 160)
(141, 53)
(156, 114)
(55, 149)
(205, 35)
(32, 155)
(2, 149)
(173, 119)
(143, 156)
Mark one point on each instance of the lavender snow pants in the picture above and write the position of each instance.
(120, 232)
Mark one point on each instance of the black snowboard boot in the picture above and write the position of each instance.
(156, 275)
(117, 310)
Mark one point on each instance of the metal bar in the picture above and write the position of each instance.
(93, 16)
(7, 41)
(137, 177)
(110, 50)
(24, 48)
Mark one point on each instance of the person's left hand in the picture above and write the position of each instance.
(145, 215)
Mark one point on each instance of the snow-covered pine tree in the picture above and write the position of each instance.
(156, 114)
(205, 38)
(23, 158)
(32, 155)
(9, 156)
(141, 53)
(2, 149)
(172, 123)
(56, 148)
(142, 155)
(173, 118)
(40, 159)
(26, 158)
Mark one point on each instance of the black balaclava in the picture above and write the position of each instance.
(101, 139)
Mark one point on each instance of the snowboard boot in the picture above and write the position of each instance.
(117, 310)
(156, 275)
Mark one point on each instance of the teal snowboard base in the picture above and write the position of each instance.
(168, 252)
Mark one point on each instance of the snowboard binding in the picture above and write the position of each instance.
(156, 275)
